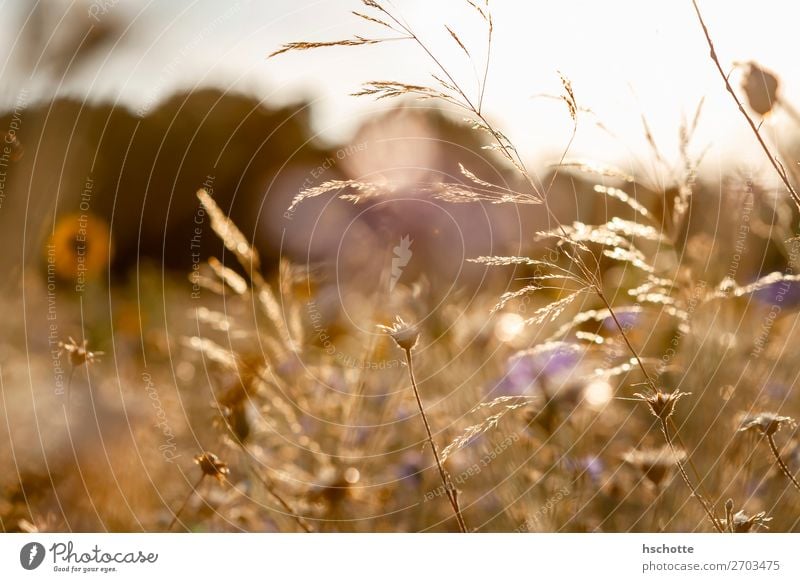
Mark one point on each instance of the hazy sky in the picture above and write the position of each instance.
(625, 58)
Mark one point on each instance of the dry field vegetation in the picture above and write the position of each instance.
(630, 378)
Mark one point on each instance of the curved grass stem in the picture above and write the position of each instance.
(781, 464)
(192, 491)
(687, 480)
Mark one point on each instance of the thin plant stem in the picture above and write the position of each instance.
(192, 491)
(288, 508)
(657, 509)
(69, 386)
(664, 427)
(678, 438)
(592, 279)
(488, 60)
(784, 469)
(729, 516)
(452, 496)
(624, 335)
(779, 169)
(687, 480)
(511, 153)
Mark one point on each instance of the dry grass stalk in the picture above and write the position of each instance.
(779, 169)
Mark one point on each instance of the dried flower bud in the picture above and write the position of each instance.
(654, 464)
(766, 423)
(336, 487)
(662, 404)
(212, 466)
(727, 523)
(761, 88)
(743, 523)
(404, 334)
(78, 353)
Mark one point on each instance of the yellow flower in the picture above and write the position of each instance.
(80, 247)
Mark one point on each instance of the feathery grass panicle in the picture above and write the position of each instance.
(216, 320)
(578, 232)
(729, 288)
(364, 191)
(508, 296)
(619, 370)
(546, 349)
(508, 404)
(632, 229)
(623, 197)
(633, 257)
(357, 191)
(569, 97)
(393, 89)
(249, 259)
(228, 276)
(460, 193)
(598, 315)
(553, 310)
(454, 36)
(378, 18)
(496, 260)
(507, 194)
(592, 167)
(212, 350)
(226, 230)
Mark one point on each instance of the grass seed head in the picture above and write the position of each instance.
(654, 464)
